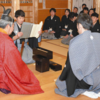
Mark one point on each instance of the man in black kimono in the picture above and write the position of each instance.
(83, 6)
(86, 10)
(52, 26)
(91, 11)
(72, 29)
(96, 26)
(64, 22)
(75, 10)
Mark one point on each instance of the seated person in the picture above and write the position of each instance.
(86, 10)
(82, 68)
(71, 30)
(64, 22)
(76, 15)
(83, 6)
(27, 51)
(52, 27)
(15, 77)
(96, 26)
(91, 11)
(75, 10)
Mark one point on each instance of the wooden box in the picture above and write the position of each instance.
(54, 66)
(42, 63)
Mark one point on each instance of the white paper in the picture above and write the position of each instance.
(36, 28)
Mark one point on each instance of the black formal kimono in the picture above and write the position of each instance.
(54, 24)
(64, 24)
(64, 21)
(81, 11)
(95, 28)
(72, 26)
(71, 81)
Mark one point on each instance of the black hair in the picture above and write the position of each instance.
(84, 4)
(71, 15)
(75, 14)
(85, 20)
(86, 8)
(95, 15)
(19, 13)
(93, 9)
(75, 8)
(67, 10)
(52, 9)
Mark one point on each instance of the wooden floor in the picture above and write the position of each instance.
(47, 79)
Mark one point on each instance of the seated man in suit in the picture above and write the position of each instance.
(96, 26)
(82, 69)
(64, 22)
(71, 30)
(83, 6)
(52, 27)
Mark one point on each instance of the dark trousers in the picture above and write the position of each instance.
(71, 81)
(63, 33)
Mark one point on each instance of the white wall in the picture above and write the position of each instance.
(78, 3)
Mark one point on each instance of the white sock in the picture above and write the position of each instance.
(91, 94)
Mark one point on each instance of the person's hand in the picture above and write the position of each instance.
(19, 34)
(40, 32)
(46, 31)
(52, 32)
(71, 35)
(64, 29)
(66, 36)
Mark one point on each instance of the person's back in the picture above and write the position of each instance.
(13, 77)
(14, 73)
(82, 68)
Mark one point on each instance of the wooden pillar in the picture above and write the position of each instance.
(35, 11)
(70, 4)
(15, 6)
(97, 6)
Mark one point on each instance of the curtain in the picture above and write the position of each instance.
(78, 3)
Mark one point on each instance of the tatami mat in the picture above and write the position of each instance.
(55, 48)
(58, 43)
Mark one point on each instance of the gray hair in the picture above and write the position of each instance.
(4, 23)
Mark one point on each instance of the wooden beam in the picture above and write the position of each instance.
(70, 4)
(97, 6)
(15, 6)
(35, 11)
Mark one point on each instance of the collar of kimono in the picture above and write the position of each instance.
(3, 31)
